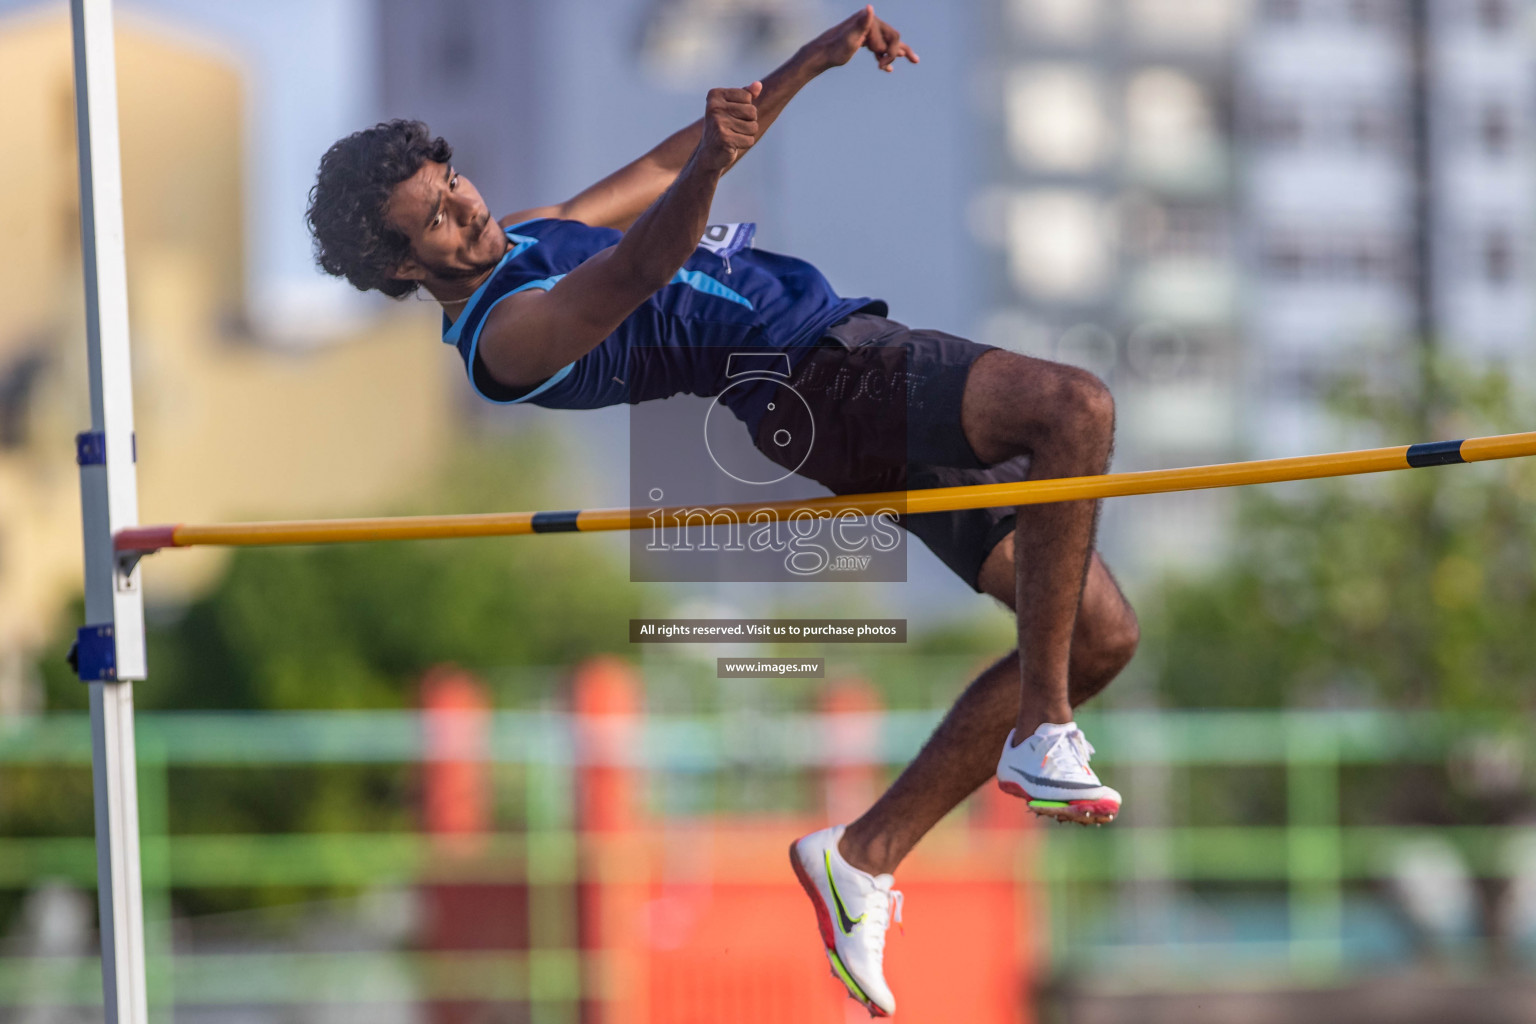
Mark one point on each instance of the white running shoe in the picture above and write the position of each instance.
(853, 910)
(1051, 772)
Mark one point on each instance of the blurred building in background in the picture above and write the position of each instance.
(228, 424)
(1221, 206)
(1387, 195)
(1225, 207)
(1481, 136)
(1330, 198)
(1109, 198)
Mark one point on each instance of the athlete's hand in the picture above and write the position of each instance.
(838, 44)
(730, 126)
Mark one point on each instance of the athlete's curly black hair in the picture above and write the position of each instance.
(346, 206)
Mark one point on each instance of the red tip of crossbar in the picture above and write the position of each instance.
(144, 538)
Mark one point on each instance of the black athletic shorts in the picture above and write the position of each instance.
(885, 401)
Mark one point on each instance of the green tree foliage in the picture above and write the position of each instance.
(1411, 590)
(352, 626)
(1415, 588)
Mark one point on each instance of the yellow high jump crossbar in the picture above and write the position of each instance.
(141, 540)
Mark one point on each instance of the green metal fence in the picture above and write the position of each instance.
(1310, 855)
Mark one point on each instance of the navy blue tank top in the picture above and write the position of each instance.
(727, 300)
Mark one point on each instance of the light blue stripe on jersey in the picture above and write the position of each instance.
(474, 344)
(560, 375)
(702, 282)
(520, 245)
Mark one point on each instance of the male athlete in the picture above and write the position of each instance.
(546, 304)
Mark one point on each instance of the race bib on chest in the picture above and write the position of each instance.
(725, 240)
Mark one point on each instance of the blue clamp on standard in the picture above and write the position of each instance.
(94, 656)
(91, 448)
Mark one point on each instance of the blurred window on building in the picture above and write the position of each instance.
(457, 48)
(1018, 330)
(1495, 129)
(1281, 11)
(1375, 13)
(1361, 257)
(683, 39)
(1061, 22)
(1499, 258)
(1495, 15)
(1366, 125)
(1057, 245)
(1170, 127)
(1374, 260)
(1143, 224)
(1279, 123)
(1089, 346)
(1056, 118)
(1309, 383)
(1208, 355)
(1159, 352)
(1183, 24)
(986, 215)
(1192, 231)
(1371, 127)
(1285, 258)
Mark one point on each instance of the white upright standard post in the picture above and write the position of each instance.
(110, 650)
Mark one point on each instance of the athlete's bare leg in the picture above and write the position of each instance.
(961, 755)
(1076, 630)
(1064, 419)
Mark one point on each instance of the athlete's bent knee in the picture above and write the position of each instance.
(1119, 646)
(1085, 408)
(1106, 643)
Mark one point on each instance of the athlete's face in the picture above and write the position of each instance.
(453, 237)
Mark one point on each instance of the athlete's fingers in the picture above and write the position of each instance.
(897, 52)
(738, 111)
(858, 24)
(739, 127)
(734, 95)
(734, 117)
(887, 54)
(884, 41)
(894, 48)
(874, 39)
(732, 111)
(756, 89)
(731, 139)
(736, 140)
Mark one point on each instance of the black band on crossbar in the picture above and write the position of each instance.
(555, 522)
(1435, 453)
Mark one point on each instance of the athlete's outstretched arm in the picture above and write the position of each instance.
(530, 335)
(621, 197)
